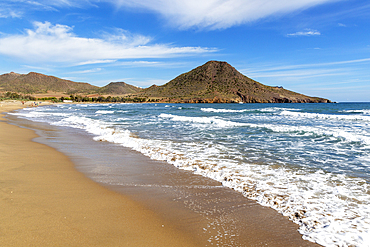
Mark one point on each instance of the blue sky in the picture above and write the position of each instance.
(315, 47)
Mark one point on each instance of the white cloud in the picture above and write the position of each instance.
(261, 68)
(146, 82)
(8, 13)
(20, 7)
(57, 43)
(208, 14)
(47, 4)
(217, 14)
(326, 71)
(96, 62)
(161, 64)
(307, 32)
(94, 70)
(300, 74)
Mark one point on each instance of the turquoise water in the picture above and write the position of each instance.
(311, 162)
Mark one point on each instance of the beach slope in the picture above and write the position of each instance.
(44, 201)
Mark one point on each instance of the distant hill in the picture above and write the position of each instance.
(35, 83)
(216, 82)
(213, 82)
(116, 88)
(32, 83)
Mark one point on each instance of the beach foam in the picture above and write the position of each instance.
(312, 201)
(307, 185)
(104, 112)
(325, 116)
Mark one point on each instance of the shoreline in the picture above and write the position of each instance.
(45, 201)
(257, 225)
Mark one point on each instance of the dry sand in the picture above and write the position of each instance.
(44, 201)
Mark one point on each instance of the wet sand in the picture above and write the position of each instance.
(45, 201)
(193, 210)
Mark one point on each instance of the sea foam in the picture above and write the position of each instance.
(318, 202)
(331, 208)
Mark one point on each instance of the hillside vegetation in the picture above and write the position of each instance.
(35, 83)
(213, 82)
(118, 88)
(218, 82)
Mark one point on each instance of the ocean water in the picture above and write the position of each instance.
(310, 162)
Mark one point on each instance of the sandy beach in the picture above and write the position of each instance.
(44, 201)
(49, 199)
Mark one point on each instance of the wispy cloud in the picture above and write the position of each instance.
(216, 14)
(205, 14)
(57, 43)
(306, 32)
(94, 70)
(161, 64)
(9, 13)
(17, 8)
(47, 4)
(300, 74)
(96, 62)
(345, 80)
(303, 71)
(146, 82)
(310, 65)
